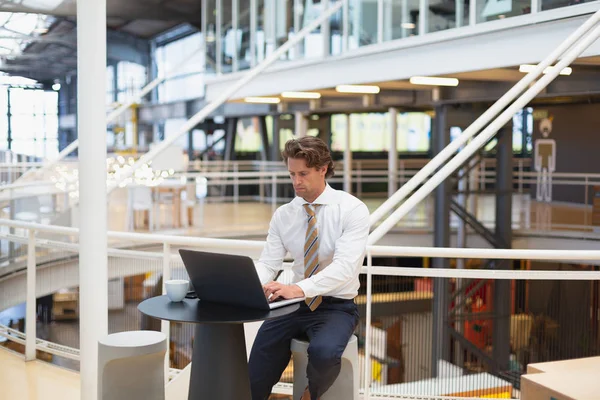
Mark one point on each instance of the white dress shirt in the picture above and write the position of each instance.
(343, 226)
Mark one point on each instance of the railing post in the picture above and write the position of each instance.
(165, 326)
(30, 315)
(586, 194)
(367, 382)
(348, 159)
(520, 176)
(261, 187)
(359, 181)
(273, 193)
(236, 184)
(393, 152)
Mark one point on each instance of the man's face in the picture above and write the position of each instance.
(308, 182)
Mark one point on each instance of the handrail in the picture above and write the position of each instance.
(486, 134)
(226, 95)
(376, 250)
(480, 122)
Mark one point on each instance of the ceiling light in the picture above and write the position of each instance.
(408, 25)
(433, 81)
(301, 95)
(526, 68)
(262, 100)
(361, 89)
(56, 87)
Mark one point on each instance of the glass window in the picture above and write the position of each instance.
(131, 78)
(50, 100)
(110, 76)
(3, 118)
(414, 132)
(400, 19)
(370, 132)
(363, 23)
(184, 81)
(447, 14)
(34, 122)
(551, 4)
(491, 10)
(248, 137)
(51, 126)
(261, 37)
(211, 33)
(21, 146)
(244, 52)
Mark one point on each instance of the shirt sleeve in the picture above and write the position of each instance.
(348, 255)
(271, 258)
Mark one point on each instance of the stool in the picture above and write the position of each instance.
(131, 366)
(347, 383)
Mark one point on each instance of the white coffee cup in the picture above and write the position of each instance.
(177, 289)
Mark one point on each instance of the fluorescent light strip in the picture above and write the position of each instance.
(361, 89)
(262, 100)
(301, 95)
(433, 81)
(526, 68)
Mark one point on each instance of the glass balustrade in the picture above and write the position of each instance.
(245, 32)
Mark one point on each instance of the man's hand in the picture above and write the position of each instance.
(279, 290)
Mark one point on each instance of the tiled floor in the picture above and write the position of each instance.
(35, 380)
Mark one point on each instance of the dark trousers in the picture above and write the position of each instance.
(327, 329)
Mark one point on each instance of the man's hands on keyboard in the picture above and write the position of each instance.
(278, 291)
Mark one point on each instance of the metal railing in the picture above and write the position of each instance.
(143, 254)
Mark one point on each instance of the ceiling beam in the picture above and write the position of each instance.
(129, 9)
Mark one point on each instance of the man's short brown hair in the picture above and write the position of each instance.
(313, 150)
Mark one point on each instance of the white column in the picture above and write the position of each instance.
(299, 124)
(393, 153)
(91, 126)
(348, 159)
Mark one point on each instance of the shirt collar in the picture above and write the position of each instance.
(327, 197)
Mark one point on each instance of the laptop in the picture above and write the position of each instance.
(228, 279)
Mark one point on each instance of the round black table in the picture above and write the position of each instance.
(219, 360)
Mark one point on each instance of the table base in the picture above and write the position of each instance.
(219, 363)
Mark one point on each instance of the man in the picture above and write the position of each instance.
(325, 231)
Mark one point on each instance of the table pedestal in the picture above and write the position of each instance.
(220, 366)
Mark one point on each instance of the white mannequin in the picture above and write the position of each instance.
(545, 161)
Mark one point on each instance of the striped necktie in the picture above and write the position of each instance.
(311, 251)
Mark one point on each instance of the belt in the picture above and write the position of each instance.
(336, 300)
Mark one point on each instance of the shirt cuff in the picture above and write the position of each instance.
(308, 287)
(265, 275)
